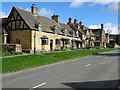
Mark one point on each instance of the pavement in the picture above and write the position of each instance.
(97, 71)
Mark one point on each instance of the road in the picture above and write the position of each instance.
(97, 71)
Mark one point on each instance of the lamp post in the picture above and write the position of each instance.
(35, 42)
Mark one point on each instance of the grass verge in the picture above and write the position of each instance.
(23, 62)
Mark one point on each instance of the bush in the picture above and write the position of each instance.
(110, 45)
(12, 52)
(16, 53)
(8, 53)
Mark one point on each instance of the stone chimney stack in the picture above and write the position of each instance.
(75, 21)
(34, 10)
(102, 27)
(80, 23)
(69, 21)
(55, 17)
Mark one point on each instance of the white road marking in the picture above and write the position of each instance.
(88, 65)
(38, 86)
(106, 57)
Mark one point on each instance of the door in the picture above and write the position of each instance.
(51, 44)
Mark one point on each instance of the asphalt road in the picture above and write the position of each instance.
(97, 71)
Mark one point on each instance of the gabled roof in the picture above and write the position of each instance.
(27, 17)
(75, 28)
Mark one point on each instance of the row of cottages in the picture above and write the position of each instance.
(38, 33)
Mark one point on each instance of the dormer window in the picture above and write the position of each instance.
(64, 31)
(55, 29)
(40, 27)
(73, 33)
(79, 28)
(77, 34)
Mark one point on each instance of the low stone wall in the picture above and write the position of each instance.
(12, 47)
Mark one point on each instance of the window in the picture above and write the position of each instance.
(44, 41)
(97, 38)
(17, 24)
(13, 25)
(67, 42)
(57, 41)
(97, 44)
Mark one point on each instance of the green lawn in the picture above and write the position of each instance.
(23, 62)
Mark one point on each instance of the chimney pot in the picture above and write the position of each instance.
(69, 21)
(34, 10)
(80, 23)
(102, 26)
(75, 21)
(55, 17)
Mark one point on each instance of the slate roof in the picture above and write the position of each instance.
(75, 28)
(96, 32)
(67, 27)
(27, 17)
(46, 23)
(91, 33)
(80, 30)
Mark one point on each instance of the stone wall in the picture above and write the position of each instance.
(12, 47)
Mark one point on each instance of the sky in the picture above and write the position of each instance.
(92, 14)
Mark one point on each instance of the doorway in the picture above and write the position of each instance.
(51, 44)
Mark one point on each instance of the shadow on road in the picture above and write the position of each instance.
(108, 54)
(94, 84)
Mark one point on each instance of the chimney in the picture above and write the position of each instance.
(69, 21)
(80, 23)
(75, 21)
(82, 27)
(34, 10)
(55, 17)
(101, 26)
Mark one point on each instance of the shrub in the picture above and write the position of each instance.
(12, 52)
(110, 45)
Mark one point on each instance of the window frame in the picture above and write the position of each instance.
(44, 41)
(57, 41)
